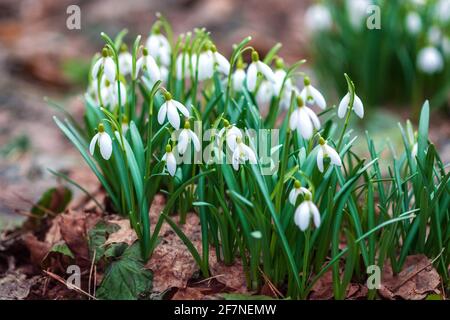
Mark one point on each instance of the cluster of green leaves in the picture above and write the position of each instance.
(245, 214)
(382, 61)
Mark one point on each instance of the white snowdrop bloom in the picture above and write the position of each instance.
(318, 18)
(108, 66)
(164, 74)
(205, 65)
(255, 67)
(186, 137)
(296, 191)
(182, 65)
(110, 94)
(238, 79)
(413, 23)
(357, 107)
(311, 95)
(158, 46)
(147, 63)
(231, 134)
(222, 63)
(434, 35)
(241, 154)
(171, 108)
(429, 60)
(357, 12)
(265, 92)
(104, 142)
(306, 211)
(442, 11)
(304, 120)
(125, 61)
(324, 150)
(171, 161)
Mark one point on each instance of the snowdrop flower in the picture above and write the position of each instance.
(442, 11)
(110, 93)
(326, 151)
(304, 120)
(255, 67)
(158, 46)
(186, 137)
(305, 211)
(171, 108)
(280, 75)
(298, 190)
(182, 65)
(311, 95)
(357, 12)
(205, 65)
(125, 61)
(318, 18)
(147, 63)
(265, 92)
(231, 134)
(223, 65)
(238, 77)
(104, 142)
(241, 154)
(429, 60)
(413, 23)
(108, 66)
(171, 161)
(344, 105)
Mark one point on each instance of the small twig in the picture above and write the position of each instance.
(62, 281)
(90, 271)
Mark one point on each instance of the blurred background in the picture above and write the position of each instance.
(394, 68)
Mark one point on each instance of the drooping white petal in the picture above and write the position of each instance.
(205, 66)
(358, 107)
(235, 159)
(162, 113)
(265, 92)
(152, 68)
(232, 134)
(320, 159)
(139, 64)
(334, 156)
(238, 80)
(93, 143)
(195, 140)
(172, 115)
(105, 144)
(222, 63)
(305, 125)
(266, 71)
(343, 105)
(252, 74)
(315, 213)
(314, 119)
(171, 163)
(181, 107)
(293, 196)
(109, 68)
(249, 153)
(96, 68)
(293, 120)
(302, 216)
(183, 141)
(125, 63)
(279, 75)
(318, 97)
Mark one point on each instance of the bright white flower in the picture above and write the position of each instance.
(296, 191)
(238, 78)
(318, 18)
(357, 12)
(182, 66)
(171, 161)
(171, 108)
(442, 11)
(324, 150)
(110, 94)
(205, 65)
(186, 137)
(303, 214)
(222, 63)
(429, 60)
(304, 120)
(159, 47)
(312, 96)
(255, 67)
(344, 106)
(104, 142)
(147, 63)
(231, 135)
(125, 61)
(413, 23)
(108, 66)
(265, 92)
(241, 154)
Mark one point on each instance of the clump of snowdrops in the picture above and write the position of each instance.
(175, 116)
(403, 61)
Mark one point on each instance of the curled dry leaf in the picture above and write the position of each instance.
(232, 276)
(417, 279)
(172, 263)
(125, 234)
(74, 231)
